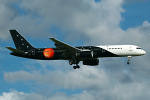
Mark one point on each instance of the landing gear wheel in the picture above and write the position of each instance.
(75, 62)
(77, 66)
(74, 67)
(128, 62)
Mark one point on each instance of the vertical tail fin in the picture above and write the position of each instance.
(20, 42)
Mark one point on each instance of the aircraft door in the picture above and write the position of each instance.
(130, 49)
(103, 50)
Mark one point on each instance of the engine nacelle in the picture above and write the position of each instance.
(91, 62)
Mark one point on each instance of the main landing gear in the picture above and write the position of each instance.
(77, 66)
(74, 62)
(128, 62)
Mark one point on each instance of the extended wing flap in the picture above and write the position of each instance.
(64, 46)
(15, 50)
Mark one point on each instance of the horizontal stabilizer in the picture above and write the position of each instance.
(16, 51)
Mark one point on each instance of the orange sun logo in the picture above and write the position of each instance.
(48, 53)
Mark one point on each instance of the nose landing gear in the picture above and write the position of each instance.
(128, 62)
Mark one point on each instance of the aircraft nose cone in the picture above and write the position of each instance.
(143, 52)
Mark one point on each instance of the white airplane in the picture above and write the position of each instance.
(124, 50)
(87, 54)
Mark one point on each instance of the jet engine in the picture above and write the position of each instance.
(91, 62)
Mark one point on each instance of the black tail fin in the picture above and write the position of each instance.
(20, 42)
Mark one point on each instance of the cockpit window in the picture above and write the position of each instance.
(138, 48)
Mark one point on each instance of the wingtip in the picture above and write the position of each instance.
(51, 38)
(7, 47)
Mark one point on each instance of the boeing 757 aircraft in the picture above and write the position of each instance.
(87, 54)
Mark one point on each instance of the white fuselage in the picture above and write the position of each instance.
(124, 50)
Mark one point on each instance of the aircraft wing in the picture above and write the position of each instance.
(65, 48)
